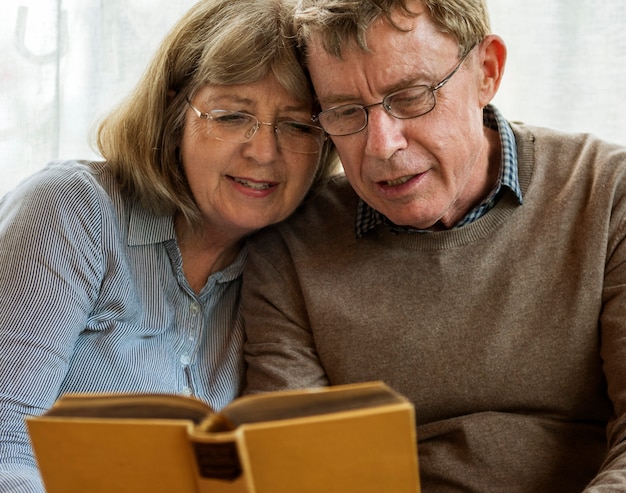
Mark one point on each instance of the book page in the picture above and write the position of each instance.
(310, 402)
(131, 406)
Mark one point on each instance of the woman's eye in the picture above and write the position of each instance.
(297, 128)
(231, 118)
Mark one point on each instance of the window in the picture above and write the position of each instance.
(65, 63)
(565, 65)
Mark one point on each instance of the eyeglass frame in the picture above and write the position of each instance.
(387, 107)
(209, 117)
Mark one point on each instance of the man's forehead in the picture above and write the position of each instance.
(400, 21)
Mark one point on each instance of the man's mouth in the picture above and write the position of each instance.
(398, 181)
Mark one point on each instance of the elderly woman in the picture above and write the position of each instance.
(124, 275)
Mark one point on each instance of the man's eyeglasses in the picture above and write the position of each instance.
(348, 119)
(237, 127)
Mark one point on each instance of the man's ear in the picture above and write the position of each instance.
(492, 59)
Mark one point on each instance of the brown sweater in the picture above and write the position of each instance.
(508, 334)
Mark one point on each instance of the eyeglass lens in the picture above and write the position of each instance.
(406, 103)
(352, 118)
(240, 128)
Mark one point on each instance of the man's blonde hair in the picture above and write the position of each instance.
(338, 23)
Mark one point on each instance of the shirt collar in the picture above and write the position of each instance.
(145, 227)
(368, 218)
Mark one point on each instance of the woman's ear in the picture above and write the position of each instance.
(492, 59)
(171, 94)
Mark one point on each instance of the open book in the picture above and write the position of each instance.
(358, 437)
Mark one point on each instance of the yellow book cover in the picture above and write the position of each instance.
(340, 439)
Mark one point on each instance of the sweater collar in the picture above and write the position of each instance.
(368, 218)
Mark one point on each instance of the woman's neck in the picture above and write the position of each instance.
(204, 253)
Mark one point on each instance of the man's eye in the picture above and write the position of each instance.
(407, 100)
(347, 111)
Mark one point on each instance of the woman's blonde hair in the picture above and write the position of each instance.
(340, 22)
(215, 42)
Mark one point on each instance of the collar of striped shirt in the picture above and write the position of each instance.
(368, 218)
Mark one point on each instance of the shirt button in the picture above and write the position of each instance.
(185, 360)
(194, 308)
(187, 391)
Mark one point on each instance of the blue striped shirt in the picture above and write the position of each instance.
(93, 299)
(368, 218)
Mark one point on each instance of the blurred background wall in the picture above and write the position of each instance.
(65, 63)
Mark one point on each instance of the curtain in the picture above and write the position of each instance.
(65, 63)
(565, 65)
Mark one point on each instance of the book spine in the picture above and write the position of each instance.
(217, 460)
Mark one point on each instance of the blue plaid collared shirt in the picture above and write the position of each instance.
(368, 218)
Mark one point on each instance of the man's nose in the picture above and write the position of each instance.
(385, 134)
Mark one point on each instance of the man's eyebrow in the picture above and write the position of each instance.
(337, 99)
(415, 79)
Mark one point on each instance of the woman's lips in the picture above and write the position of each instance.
(252, 184)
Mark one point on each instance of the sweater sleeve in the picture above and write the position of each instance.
(50, 273)
(612, 474)
(613, 340)
(280, 351)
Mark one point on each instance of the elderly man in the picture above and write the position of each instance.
(475, 265)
